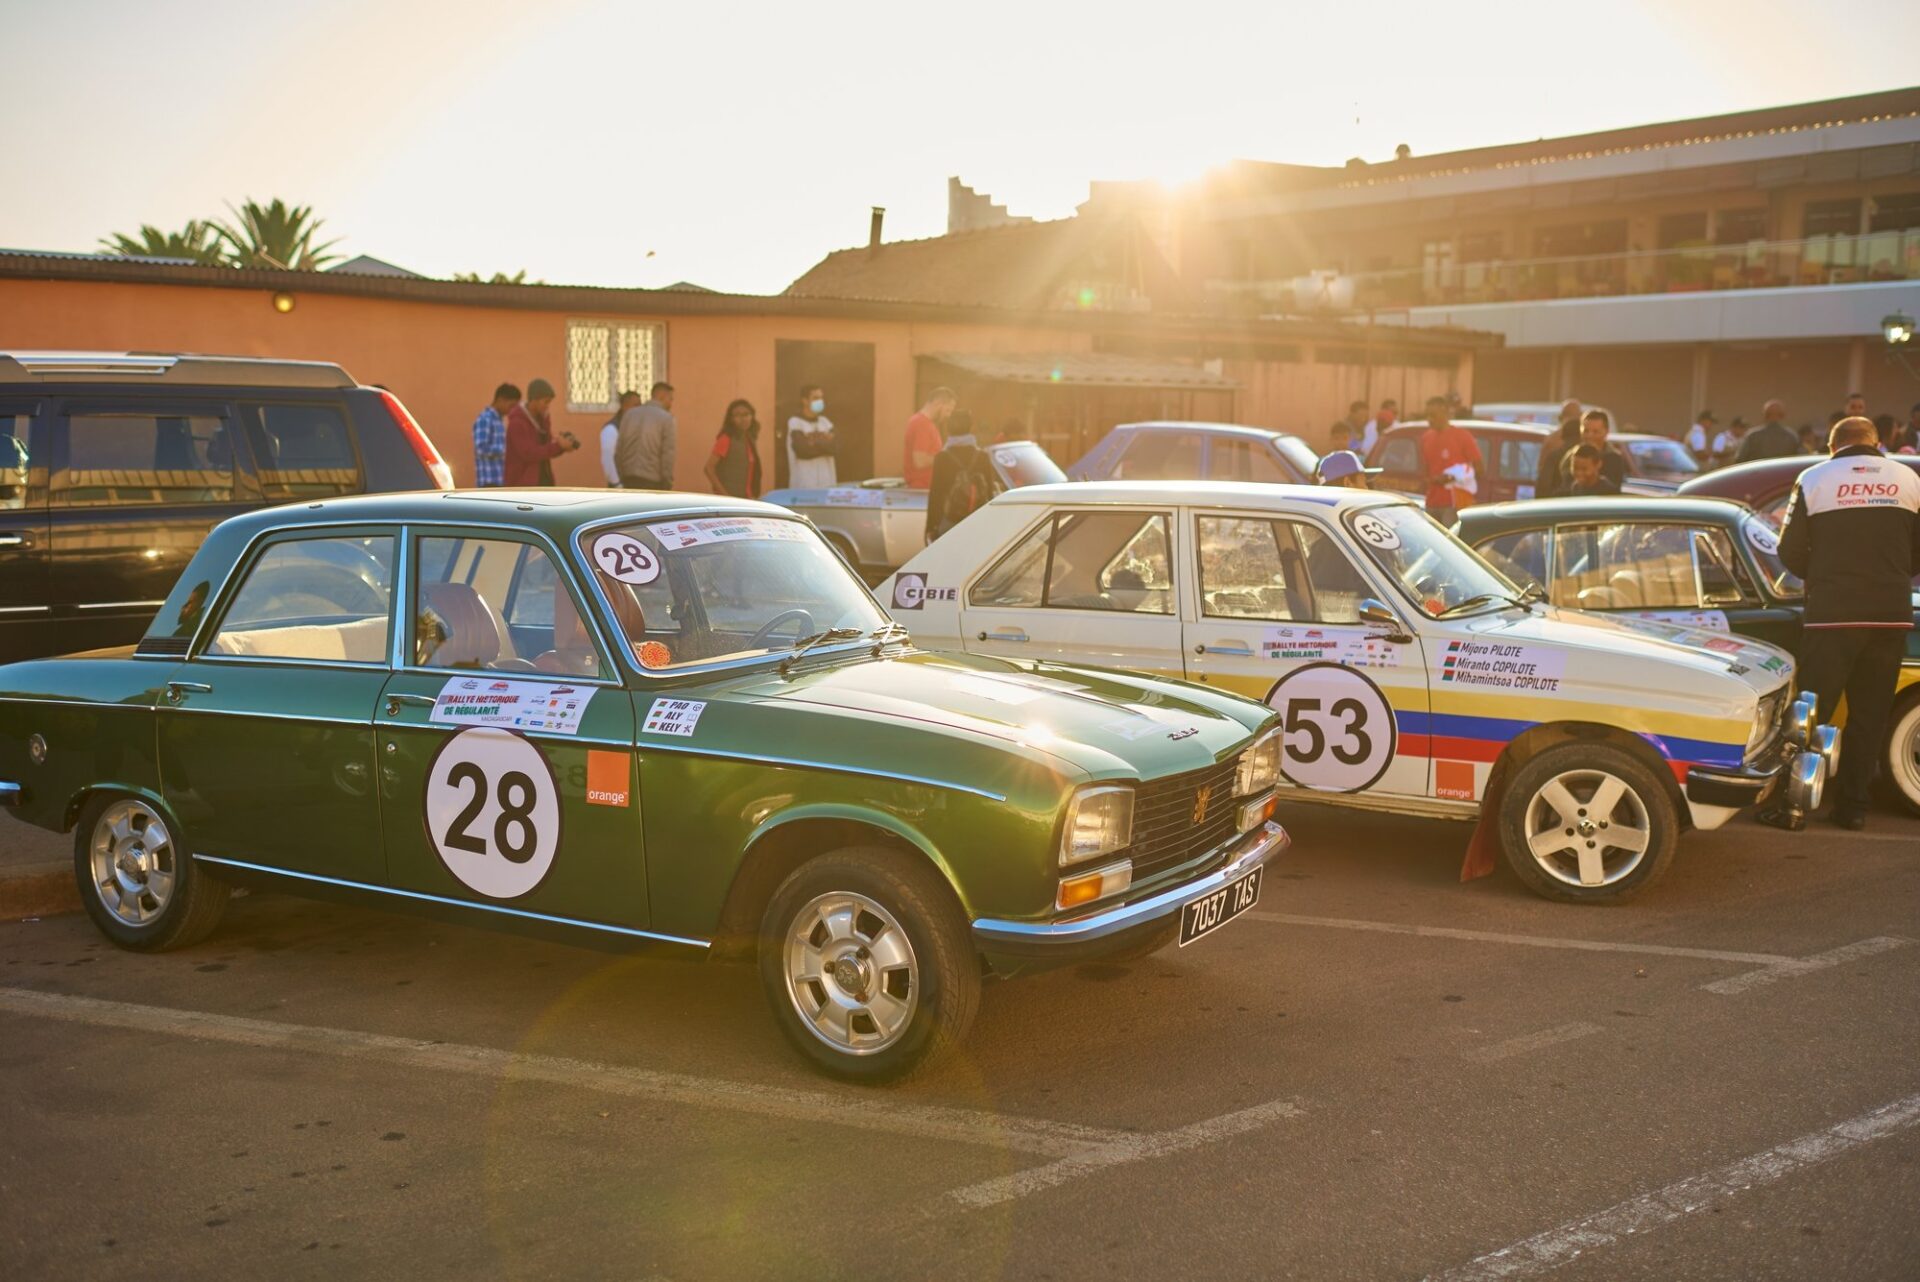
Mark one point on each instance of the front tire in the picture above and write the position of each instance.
(1587, 823)
(868, 964)
(137, 880)
(1903, 756)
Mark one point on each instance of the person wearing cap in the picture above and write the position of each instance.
(1343, 468)
(1699, 438)
(531, 444)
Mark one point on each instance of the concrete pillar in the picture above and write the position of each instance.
(1462, 377)
(1702, 375)
(1856, 367)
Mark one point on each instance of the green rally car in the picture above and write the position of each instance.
(636, 720)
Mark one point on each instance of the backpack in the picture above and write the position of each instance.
(970, 490)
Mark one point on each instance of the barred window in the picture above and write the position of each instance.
(605, 359)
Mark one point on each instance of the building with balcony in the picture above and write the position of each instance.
(1657, 269)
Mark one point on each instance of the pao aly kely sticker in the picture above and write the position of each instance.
(676, 717)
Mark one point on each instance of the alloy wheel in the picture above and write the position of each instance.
(133, 860)
(851, 972)
(1587, 828)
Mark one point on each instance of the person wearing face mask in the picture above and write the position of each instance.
(810, 443)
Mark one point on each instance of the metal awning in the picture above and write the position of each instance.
(1083, 369)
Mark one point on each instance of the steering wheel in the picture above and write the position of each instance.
(773, 625)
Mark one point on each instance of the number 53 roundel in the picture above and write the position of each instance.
(1337, 726)
(493, 811)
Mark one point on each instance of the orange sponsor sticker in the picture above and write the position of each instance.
(609, 775)
(1453, 779)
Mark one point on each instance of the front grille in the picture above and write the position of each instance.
(1164, 833)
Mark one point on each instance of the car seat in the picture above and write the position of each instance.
(457, 628)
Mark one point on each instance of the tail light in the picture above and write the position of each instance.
(422, 447)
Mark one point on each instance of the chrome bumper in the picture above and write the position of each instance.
(1250, 851)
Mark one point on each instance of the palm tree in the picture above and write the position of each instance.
(498, 278)
(197, 241)
(276, 236)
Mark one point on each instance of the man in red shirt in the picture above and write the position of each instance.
(531, 444)
(1450, 459)
(924, 437)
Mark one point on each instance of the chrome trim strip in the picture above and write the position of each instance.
(422, 896)
(80, 703)
(988, 932)
(399, 629)
(276, 661)
(271, 716)
(388, 727)
(649, 745)
(120, 605)
(26, 609)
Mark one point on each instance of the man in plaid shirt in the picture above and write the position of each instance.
(490, 437)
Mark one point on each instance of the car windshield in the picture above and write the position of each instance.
(1662, 460)
(1764, 541)
(1024, 463)
(1437, 572)
(693, 591)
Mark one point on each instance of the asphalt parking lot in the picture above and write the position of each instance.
(1380, 1073)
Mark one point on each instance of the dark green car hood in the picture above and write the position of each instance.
(1107, 724)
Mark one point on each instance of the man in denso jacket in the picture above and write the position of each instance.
(1853, 534)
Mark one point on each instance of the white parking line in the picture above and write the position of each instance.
(1794, 967)
(1135, 1148)
(1555, 1247)
(853, 1109)
(1531, 1042)
(1525, 941)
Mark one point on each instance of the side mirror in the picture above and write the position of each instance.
(1375, 613)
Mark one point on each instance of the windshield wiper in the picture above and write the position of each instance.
(1484, 598)
(888, 631)
(805, 644)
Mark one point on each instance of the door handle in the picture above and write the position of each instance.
(9, 539)
(178, 690)
(395, 702)
(1236, 650)
(1004, 634)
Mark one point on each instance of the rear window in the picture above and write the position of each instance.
(137, 458)
(301, 451)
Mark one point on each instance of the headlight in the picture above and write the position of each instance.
(1766, 721)
(1259, 765)
(1099, 822)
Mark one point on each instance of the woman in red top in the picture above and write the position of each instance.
(734, 466)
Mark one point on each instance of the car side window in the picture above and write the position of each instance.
(1160, 456)
(1019, 578)
(122, 458)
(1244, 461)
(1521, 555)
(498, 605)
(1337, 586)
(1635, 566)
(301, 451)
(1400, 456)
(1519, 461)
(322, 599)
(1722, 578)
(1245, 572)
(15, 464)
(1119, 561)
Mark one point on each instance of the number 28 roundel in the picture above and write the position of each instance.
(1337, 728)
(493, 811)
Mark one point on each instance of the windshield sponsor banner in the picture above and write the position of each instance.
(1502, 666)
(1353, 647)
(1711, 620)
(726, 529)
(511, 705)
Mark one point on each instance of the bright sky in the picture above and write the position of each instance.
(735, 143)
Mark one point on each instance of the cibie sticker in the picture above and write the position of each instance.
(1376, 533)
(675, 717)
(493, 811)
(623, 557)
(1764, 540)
(909, 591)
(1337, 728)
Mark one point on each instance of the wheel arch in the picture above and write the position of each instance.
(86, 793)
(786, 841)
(1551, 734)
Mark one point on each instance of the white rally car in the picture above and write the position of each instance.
(1411, 675)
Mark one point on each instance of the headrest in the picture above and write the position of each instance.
(457, 628)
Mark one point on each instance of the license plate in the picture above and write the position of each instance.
(1204, 916)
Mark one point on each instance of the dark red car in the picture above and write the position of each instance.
(1655, 464)
(1765, 484)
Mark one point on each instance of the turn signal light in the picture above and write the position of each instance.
(1256, 812)
(1089, 886)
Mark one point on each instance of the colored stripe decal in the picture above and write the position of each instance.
(1462, 738)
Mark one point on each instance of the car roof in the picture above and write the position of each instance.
(1486, 424)
(1219, 429)
(555, 512)
(1527, 513)
(1263, 494)
(1765, 473)
(169, 369)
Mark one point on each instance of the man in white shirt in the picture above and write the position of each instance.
(810, 444)
(1361, 430)
(1699, 438)
(610, 438)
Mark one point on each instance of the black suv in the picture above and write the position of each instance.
(113, 466)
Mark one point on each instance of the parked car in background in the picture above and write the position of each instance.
(1546, 413)
(876, 525)
(1690, 563)
(1512, 453)
(1765, 485)
(1655, 463)
(113, 467)
(1174, 451)
(635, 720)
(1410, 675)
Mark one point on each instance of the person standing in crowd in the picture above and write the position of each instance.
(1363, 433)
(490, 437)
(1339, 436)
(1552, 472)
(1726, 446)
(644, 456)
(1909, 439)
(1773, 438)
(733, 468)
(610, 438)
(1889, 429)
(1595, 427)
(1450, 459)
(1852, 534)
(1809, 438)
(1343, 469)
(923, 437)
(963, 478)
(810, 443)
(1856, 406)
(1588, 463)
(1383, 418)
(531, 444)
(1699, 439)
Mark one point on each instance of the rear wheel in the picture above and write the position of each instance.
(1587, 823)
(1903, 756)
(137, 880)
(868, 964)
